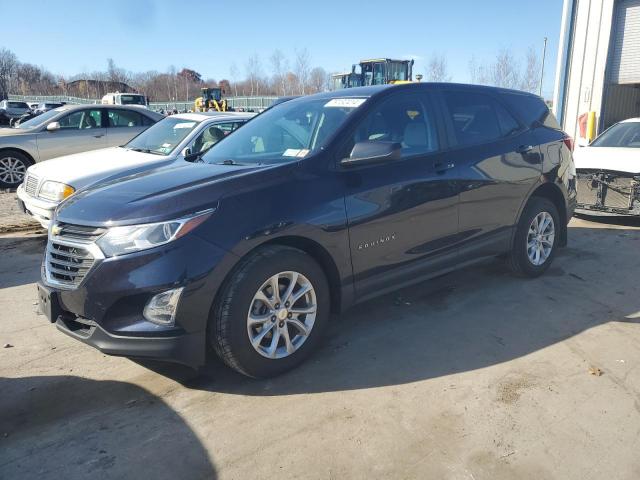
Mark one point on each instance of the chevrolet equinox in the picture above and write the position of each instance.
(314, 205)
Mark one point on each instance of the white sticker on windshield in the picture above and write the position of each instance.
(291, 152)
(345, 102)
(166, 145)
(185, 125)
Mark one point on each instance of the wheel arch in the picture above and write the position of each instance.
(19, 150)
(553, 193)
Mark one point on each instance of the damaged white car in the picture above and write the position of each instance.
(608, 171)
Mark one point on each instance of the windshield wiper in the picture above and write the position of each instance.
(231, 162)
(145, 150)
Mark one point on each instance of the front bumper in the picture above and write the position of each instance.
(105, 310)
(40, 210)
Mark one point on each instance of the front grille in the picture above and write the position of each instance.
(31, 185)
(71, 253)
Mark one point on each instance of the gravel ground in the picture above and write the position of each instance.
(474, 375)
(11, 218)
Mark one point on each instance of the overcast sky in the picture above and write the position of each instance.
(70, 37)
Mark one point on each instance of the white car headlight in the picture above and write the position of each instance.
(55, 191)
(133, 238)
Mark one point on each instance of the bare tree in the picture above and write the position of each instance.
(233, 70)
(531, 75)
(505, 72)
(8, 64)
(279, 67)
(302, 69)
(254, 70)
(437, 69)
(318, 80)
(478, 73)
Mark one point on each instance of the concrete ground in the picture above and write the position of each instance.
(475, 375)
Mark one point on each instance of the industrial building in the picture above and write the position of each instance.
(598, 71)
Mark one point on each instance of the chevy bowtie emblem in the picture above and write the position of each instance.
(55, 230)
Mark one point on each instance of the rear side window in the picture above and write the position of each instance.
(124, 118)
(406, 119)
(478, 118)
(530, 109)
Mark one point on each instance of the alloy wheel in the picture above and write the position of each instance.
(281, 315)
(12, 170)
(540, 238)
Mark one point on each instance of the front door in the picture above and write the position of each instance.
(402, 214)
(80, 131)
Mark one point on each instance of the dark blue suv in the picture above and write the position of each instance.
(316, 204)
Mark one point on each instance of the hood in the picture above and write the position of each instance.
(82, 169)
(6, 132)
(608, 158)
(154, 195)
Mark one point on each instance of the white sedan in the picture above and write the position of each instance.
(175, 138)
(608, 171)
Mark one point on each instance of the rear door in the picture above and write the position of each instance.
(80, 131)
(402, 214)
(123, 125)
(498, 159)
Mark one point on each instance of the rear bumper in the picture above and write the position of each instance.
(184, 348)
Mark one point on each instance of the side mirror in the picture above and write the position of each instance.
(186, 152)
(53, 127)
(372, 152)
(189, 155)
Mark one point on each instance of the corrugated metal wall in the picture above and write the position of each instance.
(625, 52)
(621, 102)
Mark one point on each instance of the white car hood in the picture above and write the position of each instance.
(608, 158)
(82, 169)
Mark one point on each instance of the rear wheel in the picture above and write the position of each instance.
(13, 167)
(271, 313)
(536, 238)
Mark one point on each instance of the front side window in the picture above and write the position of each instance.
(124, 118)
(81, 119)
(286, 132)
(163, 137)
(478, 118)
(406, 120)
(212, 135)
(621, 135)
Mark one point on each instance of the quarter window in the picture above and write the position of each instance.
(478, 118)
(403, 119)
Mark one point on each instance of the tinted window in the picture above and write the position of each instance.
(478, 118)
(124, 118)
(530, 109)
(404, 119)
(81, 119)
(18, 105)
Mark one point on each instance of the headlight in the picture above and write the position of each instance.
(133, 238)
(55, 191)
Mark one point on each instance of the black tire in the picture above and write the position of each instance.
(228, 322)
(518, 258)
(13, 156)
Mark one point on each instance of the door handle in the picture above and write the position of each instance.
(441, 167)
(524, 148)
(98, 136)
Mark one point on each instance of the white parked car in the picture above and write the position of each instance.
(182, 137)
(608, 171)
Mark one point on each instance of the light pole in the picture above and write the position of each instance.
(544, 54)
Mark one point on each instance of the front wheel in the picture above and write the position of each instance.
(271, 313)
(536, 238)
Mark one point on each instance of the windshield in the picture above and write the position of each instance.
(623, 135)
(18, 105)
(40, 119)
(289, 131)
(163, 137)
(131, 100)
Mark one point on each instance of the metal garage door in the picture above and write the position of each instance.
(625, 60)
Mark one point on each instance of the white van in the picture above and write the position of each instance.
(118, 98)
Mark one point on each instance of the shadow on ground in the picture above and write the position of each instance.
(20, 259)
(467, 320)
(79, 428)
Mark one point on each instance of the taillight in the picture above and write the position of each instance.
(568, 141)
